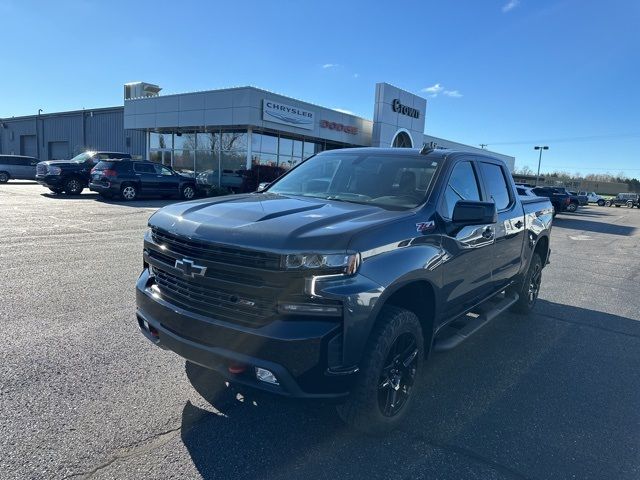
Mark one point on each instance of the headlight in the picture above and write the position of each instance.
(54, 170)
(348, 263)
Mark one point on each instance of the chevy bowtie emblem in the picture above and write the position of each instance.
(190, 269)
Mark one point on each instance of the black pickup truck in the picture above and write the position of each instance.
(337, 280)
(72, 176)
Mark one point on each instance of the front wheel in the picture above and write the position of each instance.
(74, 186)
(188, 192)
(4, 177)
(384, 389)
(629, 204)
(607, 203)
(601, 203)
(530, 287)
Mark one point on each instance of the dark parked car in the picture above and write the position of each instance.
(337, 281)
(627, 199)
(17, 167)
(582, 198)
(130, 179)
(560, 200)
(71, 176)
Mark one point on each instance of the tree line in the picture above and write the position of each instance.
(633, 183)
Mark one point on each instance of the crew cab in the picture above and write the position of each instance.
(72, 176)
(338, 279)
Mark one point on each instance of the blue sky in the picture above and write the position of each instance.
(509, 73)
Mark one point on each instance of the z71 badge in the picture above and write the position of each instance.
(425, 226)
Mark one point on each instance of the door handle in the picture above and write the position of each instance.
(487, 232)
(518, 224)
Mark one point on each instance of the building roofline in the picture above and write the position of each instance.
(68, 112)
(252, 87)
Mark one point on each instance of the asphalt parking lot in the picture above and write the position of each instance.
(84, 395)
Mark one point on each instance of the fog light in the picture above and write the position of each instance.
(266, 376)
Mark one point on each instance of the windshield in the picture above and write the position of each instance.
(389, 181)
(83, 157)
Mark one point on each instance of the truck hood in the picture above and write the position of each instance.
(270, 222)
(60, 163)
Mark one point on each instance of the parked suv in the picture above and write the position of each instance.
(593, 197)
(17, 167)
(71, 176)
(339, 278)
(130, 179)
(561, 201)
(627, 199)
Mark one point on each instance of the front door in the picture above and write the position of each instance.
(510, 229)
(168, 180)
(146, 174)
(467, 273)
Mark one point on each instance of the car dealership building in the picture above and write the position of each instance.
(213, 134)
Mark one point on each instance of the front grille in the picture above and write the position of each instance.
(216, 253)
(215, 302)
(41, 169)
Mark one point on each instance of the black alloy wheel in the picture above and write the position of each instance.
(73, 186)
(398, 375)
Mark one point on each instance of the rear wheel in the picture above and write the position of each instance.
(607, 203)
(601, 203)
(129, 192)
(530, 287)
(629, 204)
(572, 207)
(74, 186)
(384, 388)
(4, 177)
(188, 192)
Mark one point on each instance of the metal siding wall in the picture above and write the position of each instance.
(18, 127)
(63, 128)
(102, 131)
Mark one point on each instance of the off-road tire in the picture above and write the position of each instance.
(526, 303)
(362, 410)
(601, 203)
(4, 177)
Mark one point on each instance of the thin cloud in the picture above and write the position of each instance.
(452, 93)
(510, 5)
(433, 89)
(343, 110)
(330, 65)
(356, 75)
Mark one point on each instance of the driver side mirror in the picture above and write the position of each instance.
(474, 213)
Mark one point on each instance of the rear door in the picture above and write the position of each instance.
(509, 231)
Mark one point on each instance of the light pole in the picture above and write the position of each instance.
(539, 147)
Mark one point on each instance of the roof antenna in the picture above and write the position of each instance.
(427, 148)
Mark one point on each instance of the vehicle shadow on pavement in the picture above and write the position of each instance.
(579, 224)
(554, 394)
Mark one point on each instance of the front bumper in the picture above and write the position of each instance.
(295, 350)
(50, 181)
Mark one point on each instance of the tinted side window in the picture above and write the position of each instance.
(495, 185)
(144, 168)
(462, 185)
